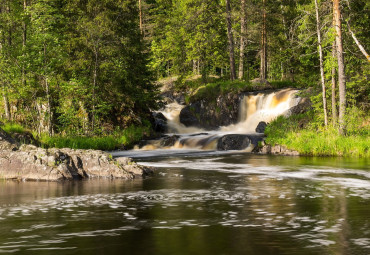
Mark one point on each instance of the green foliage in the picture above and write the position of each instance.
(285, 84)
(85, 68)
(80, 142)
(213, 90)
(125, 138)
(304, 134)
(133, 134)
(195, 89)
(77, 66)
(13, 128)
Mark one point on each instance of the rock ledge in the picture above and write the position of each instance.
(28, 162)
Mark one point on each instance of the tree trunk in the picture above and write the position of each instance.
(24, 40)
(49, 111)
(6, 104)
(362, 49)
(195, 67)
(321, 64)
(282, 73)
(5, 94)
(243, 40)
(282, 68)
(333, 93)
(48, 97)
(95, 75)
(341, 73)
(263, 71)
(141, 18)
(231, 41)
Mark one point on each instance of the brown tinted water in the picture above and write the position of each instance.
(197, 203)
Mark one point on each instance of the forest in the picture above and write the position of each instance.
(89, 68)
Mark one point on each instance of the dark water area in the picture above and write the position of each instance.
(197, 203)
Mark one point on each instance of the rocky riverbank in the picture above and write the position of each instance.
(28, 162)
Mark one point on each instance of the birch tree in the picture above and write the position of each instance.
(318, 31)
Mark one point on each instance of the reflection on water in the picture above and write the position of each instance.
(215, 204)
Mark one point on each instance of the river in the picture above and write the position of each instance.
(198, 202)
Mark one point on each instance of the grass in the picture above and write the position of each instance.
(80, 142)
(297, 133)
(12, 128)
(125, 138)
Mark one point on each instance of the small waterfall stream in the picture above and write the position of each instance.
(253, 109)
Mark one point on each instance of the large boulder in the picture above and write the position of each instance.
(233, 142)
(275, 150)
(303, 106)
(169, 141)
(7, 142)
(259, 83)
(212, 114)
(25, 138)
(188, 115)
(261, 127)
(159, 122)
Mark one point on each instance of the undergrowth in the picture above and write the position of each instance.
(301, 133)
(196, 89)
(12, 128)
(125, 138)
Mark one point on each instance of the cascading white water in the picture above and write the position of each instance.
(172, 114)
(252, 110)
(261, 107)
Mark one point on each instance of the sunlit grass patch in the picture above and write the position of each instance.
(11, 128)
(125, 138)
(296, 133)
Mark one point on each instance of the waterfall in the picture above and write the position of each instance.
(261, 107)
(252, 110)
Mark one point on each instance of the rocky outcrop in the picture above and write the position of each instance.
(238, 142)
(25, 138)
(261, 127)
(188, 115)
(259, 83)
(28, 162)
(303, 106)
(169, 141)
(212, 114)
(159, 122)
(7, 142)
(233, 142)
(275, 150)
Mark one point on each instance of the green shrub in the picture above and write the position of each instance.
(127, 137)
(13, 128)
(304, 134)
(284, 84)
(133, 134)
(81, 142)
(213, 90)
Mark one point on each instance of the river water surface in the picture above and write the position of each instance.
(197, 203)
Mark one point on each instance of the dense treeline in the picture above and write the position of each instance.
(273, 40)
(73, 66)
(88, 66)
